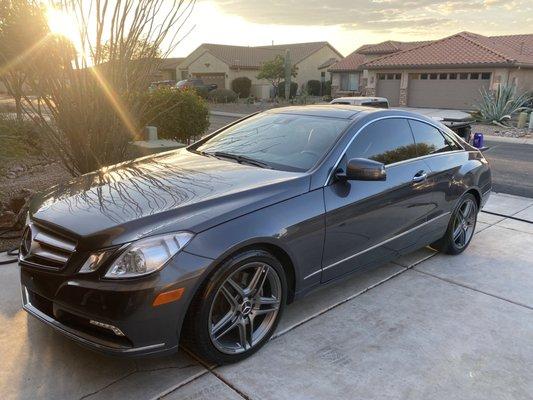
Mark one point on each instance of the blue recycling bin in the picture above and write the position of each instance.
(478, 140)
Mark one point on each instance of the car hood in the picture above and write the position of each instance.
(177, 190)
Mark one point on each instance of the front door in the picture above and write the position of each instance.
(368, 222)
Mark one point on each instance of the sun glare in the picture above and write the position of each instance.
(62, 24)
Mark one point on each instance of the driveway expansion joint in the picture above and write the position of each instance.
(510, 217)
(450, 281)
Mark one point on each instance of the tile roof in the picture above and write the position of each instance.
(253, 57)
(462, 49)
(390, 46)
(352, 62)
(355, 60)
(328, 62)
(171, 63)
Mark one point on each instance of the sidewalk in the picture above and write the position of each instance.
(424, 326)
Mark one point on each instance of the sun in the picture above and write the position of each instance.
(60, 23)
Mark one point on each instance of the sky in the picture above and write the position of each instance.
(347, 24)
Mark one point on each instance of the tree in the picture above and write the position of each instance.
(92, 105)
(274, 71)
(22, 26)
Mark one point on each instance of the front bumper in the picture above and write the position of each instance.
(69, 304)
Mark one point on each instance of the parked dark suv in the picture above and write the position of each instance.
(212, 241)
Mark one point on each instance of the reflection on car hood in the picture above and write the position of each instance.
(172, 191)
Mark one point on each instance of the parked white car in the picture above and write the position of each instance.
(376, 102)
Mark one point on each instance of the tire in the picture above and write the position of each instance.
(237, 309)
(461, 227)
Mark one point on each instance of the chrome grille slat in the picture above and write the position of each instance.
(57, 242)
(44, 248)
(41, 252)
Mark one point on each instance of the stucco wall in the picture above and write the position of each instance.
(308, 67)
(523, 78)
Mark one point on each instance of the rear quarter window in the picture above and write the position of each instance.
(430, 140)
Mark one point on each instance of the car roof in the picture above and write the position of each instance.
(360, 98)
(343, 111)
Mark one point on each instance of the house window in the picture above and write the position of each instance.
(349, 82)
(323, 74)
(443, 76)
(398, 76)
(390, 76)
(463, 75)
(433, 76)
(485, 75)
(382, 76)
(474, 75)
(423, 76)
(453, 75)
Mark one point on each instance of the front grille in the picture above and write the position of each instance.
(45, 248)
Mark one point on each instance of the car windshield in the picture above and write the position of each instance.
(280, 141)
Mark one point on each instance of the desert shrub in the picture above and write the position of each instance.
(313, 87)
(19, 138)
(222, 96)
(177, 114)
(242, 86)
(281, 89)
(498, 106)
(202, 91)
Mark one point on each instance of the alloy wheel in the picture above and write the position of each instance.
(244, 308)
(464, 223)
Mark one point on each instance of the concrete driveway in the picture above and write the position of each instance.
(427, 326)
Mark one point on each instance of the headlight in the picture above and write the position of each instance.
(147, 255)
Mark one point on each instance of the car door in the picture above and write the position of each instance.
(445, 159)
(368, 222)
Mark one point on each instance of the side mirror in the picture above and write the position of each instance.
(363, 169)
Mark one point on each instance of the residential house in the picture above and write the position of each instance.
(221, 64)
(446, 73)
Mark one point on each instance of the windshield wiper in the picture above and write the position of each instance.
(240, 159)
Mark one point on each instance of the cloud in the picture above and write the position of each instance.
(372, 15)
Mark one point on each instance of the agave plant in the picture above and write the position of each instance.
(497, 106)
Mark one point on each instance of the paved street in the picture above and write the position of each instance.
(426, 326)
(512, 167)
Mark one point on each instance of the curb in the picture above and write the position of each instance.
(503, 139)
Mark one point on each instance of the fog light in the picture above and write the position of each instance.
(112, 328)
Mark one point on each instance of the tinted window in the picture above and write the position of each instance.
(429, 139)
(387, 141)
(283, 141)
(376, 104)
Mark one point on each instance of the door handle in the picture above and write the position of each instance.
(420, 176)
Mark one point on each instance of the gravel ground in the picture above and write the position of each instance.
(35, 175)
(494, 130)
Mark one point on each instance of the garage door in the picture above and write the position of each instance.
(388, 85)
(217, 78)
(446, 90)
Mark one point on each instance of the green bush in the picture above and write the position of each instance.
(222, 96)
(242, 86)
(327, 88)
(281, 89)
(313, 87)
(498, 106)
(177, 114)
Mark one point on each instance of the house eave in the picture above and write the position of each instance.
(439, 66)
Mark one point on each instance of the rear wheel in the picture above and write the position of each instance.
(238, 309)
(461, 227)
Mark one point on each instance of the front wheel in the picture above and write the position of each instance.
(238, 309)
(461, 227)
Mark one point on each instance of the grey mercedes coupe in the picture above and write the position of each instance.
(209, 243)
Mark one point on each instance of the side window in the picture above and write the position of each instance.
(429, 140)
(387, 141)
